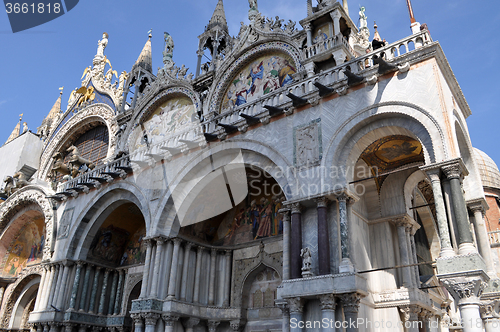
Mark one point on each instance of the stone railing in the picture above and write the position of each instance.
(107, 173)
(328, 78)
(494, 238)
(328, 44)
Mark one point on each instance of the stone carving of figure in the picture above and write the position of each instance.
(362, 19)
(306, 262)
(25, 127)
(8, 188)
(253, 4)
(101, 44)
(168, 53)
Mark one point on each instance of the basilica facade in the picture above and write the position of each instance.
(304, 179)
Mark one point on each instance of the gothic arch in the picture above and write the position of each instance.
(88, 221)
(35, 198)
(96, 113)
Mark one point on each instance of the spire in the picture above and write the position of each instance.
(346, 7)
(376, 35)
(17, 130)
(410, 10)
(145, 60)
(219, 17)
(56, 109)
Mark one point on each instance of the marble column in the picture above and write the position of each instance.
(491, 321)
(350, 303)
(41, 290)
(196, 291)
(308, 28)
(285, 310)
(328, 310)
(138, 322)
(410, 315)
(442, 221)
(83, 297)
(53, 285)
(453, 173)
(212, 325)
(211, 286)
(286, 242)
(48, 286)
(76, 285)
(323, 238)
(296, 306)
(150, 320)
(104, 290)
(145, 274)
(57, 285)
(95, 285)
(2, 291)
(481, 235)
(198, 63)
(172, 285)
(119, 295)
(336, 21)
(412, 255)
(112, 297)
(404, 253)
(185, 269)
(468, 291)
(190, 323)
(296, 245)
(64, 284)
(227, 279)
(169, 321)
(346, 265)
(68, 327)
(167, 268)
(156, 267)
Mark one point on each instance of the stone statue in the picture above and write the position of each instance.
(183, 71)
(8, 189)
(101, 44)
(253, 4)
(76, 161)
(25, 127)
(58, 166)
(168, 53)
(306, 262)
(21, 180)
(362, 19)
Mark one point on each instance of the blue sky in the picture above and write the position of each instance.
(36, 62)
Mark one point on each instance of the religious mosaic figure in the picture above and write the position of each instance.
(266, 211)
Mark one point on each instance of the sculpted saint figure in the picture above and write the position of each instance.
(253, 4)
(101, 44)
(362, 19)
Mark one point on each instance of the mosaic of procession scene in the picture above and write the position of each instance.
(255, 217)
(262, 76)
(26, 246)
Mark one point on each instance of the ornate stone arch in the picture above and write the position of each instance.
(93, 114)
(14, 290)
(97, 210)
(406, 118)
(131, 282)
(244, 268)
(22, 198)
(223, 81)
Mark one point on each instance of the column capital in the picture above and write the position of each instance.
(322, 202)
(405, 221)
(148, 242)
(478, 204)
(296, 208)
(228, 252)
(410, 312)
(169, 319)
(188, 246)
(191, 322)
(213, 252)
(98, 268)
(199, 249)
(137, 318)
(212, 325)
(160, 240)
(452, 165)
(285, 212)
(466, 290)
(236, 325)
(151, 318)
(487, 309)
(350, 302)
(327, 302)
(177, 241)
(308, 26)
(200, 52)
(78, 264)
(283, 305)
(108, 270)
(295, 304)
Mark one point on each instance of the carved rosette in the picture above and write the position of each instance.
(350, 302)
(327, 302)
(295, 304)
